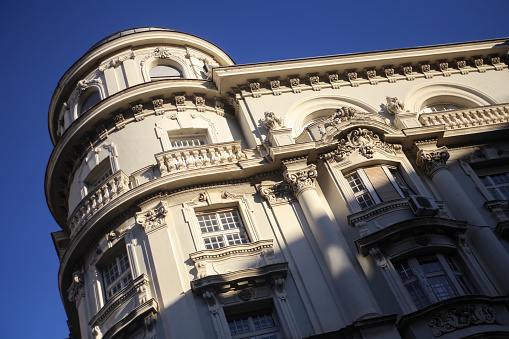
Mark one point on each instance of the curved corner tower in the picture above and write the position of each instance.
(353, 196)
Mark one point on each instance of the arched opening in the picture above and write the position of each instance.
(164, 71)
(91, 97)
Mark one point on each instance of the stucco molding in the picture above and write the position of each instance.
(432, 161)
(301, 179)
(153, 219)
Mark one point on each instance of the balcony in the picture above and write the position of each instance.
(468, 117)
(114, 186)
(188, 158)
(131, 304)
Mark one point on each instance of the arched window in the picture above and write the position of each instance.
(90, 99)
(164, 71)
(441, 108)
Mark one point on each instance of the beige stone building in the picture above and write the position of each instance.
(351, 196)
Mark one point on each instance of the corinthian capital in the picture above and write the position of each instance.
(153, 219)
(301, 179)
(432, 161)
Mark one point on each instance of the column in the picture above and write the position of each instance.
(433, 162)
(356, 299)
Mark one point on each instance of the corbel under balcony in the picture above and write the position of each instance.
(131, 304)
(240, 279)
(233, 258)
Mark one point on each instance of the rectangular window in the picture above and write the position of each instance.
(497, 185)
(260, 324)
(432, 278)
(99, 174)
(374, 184)
(222, 228)
(117, 274)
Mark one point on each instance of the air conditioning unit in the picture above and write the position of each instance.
(422, 206)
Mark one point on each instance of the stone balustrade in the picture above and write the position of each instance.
(199, 156)
(114, 186)
(467, 117)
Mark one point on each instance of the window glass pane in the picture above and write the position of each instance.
(162, 71)
(417, 294)
(263, 321)
(442, 287)
(90, 101)
(229, 220)
(214, 242)
(429, 263)
(404, 271)
(226, 226)
(208, 223)
(237, 238)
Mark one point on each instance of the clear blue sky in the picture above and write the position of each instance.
(40, 40)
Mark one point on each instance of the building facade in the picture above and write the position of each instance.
(351, 196)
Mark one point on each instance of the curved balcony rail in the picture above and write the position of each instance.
(201, 156)
(114, 186)
(133, 302)
(467, 117)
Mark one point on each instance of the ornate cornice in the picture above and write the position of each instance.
(432, 161)
(363, 141)
(301, 179)
(153, 219)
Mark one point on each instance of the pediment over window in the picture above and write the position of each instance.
(240, 279)
(409, 229)
(346, 118)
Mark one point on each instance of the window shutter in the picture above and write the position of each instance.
(381, 183)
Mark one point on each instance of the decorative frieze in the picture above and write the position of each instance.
(119, 120)
(371, 75)
(137, 108)
(158, 105)
(116, 61)
(408, 72)
(461, 316)
(363, 141)
(199, 101)
(334, 80)
(295, 84)
(275, 86)
(314, 81)
(180, 102)
(255, 89)
(271, 121)
(302, 179)
(154, 219)
(432, 161)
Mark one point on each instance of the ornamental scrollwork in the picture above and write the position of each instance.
(363, 141)
(340, 115)
(154, 218)
(301, 179)
(271, 121)
(432, 161)
(278, 193)
(463, 316)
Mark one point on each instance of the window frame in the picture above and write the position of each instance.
(249, 317)
(224, 232)
(118, 258)
(457, 279)
(404, 191)
(180, 76)
(449, 106)
(214, 200)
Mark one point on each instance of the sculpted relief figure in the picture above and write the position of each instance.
(394, 105)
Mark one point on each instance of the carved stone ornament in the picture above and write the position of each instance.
(301, 179)
(119, 120)
(74, 291)
(245, 295)
(275, 84)
(462, 316)
(84, 84)
(255, 87)
(363, 141)
(334, 80)
(314, 79)
(153, 219)
(158, 103)
(278, 193)
(432, 161)
(389, 72)
(394, 106)
(425, 68)
(101, 130)
(137, 108)
(271, 121)
(340, 115)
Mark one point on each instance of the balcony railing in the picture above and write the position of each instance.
(199, 156)
(115, 185)
(468, 117)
